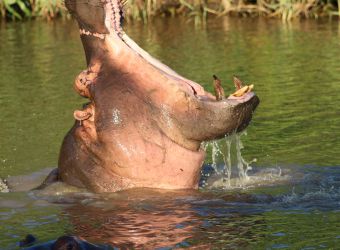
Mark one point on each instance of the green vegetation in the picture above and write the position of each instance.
(195, 9)
(20, 9)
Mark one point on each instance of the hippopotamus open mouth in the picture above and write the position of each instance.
(144, 123)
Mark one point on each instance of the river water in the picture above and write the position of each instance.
(292, 197)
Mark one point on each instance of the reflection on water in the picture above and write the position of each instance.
(294, 185)
(144, 223)
(262, 218)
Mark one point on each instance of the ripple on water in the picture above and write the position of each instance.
(296, 75)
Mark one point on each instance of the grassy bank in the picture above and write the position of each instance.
(196, 9)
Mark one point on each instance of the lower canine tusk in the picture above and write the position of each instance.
(219, 91)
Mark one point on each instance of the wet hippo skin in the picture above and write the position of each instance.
(143, 123)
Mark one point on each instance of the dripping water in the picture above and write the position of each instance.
(215, 151)
(242, 165)
(227, 160)
(223, 148)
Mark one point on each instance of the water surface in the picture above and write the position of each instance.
(296, 71)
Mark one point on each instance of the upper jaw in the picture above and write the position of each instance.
(108, 26)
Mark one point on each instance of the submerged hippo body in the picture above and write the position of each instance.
(144, 123)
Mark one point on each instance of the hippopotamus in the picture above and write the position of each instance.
(143, 124)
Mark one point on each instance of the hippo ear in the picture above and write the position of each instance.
(81, 115)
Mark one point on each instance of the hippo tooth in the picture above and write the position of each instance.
(237, 82)
(219, 91)
(241, 91)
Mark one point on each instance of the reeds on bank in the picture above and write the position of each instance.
(195, 9)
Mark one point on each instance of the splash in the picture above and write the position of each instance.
(224, 149)
(242, 165)
(215, 151)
